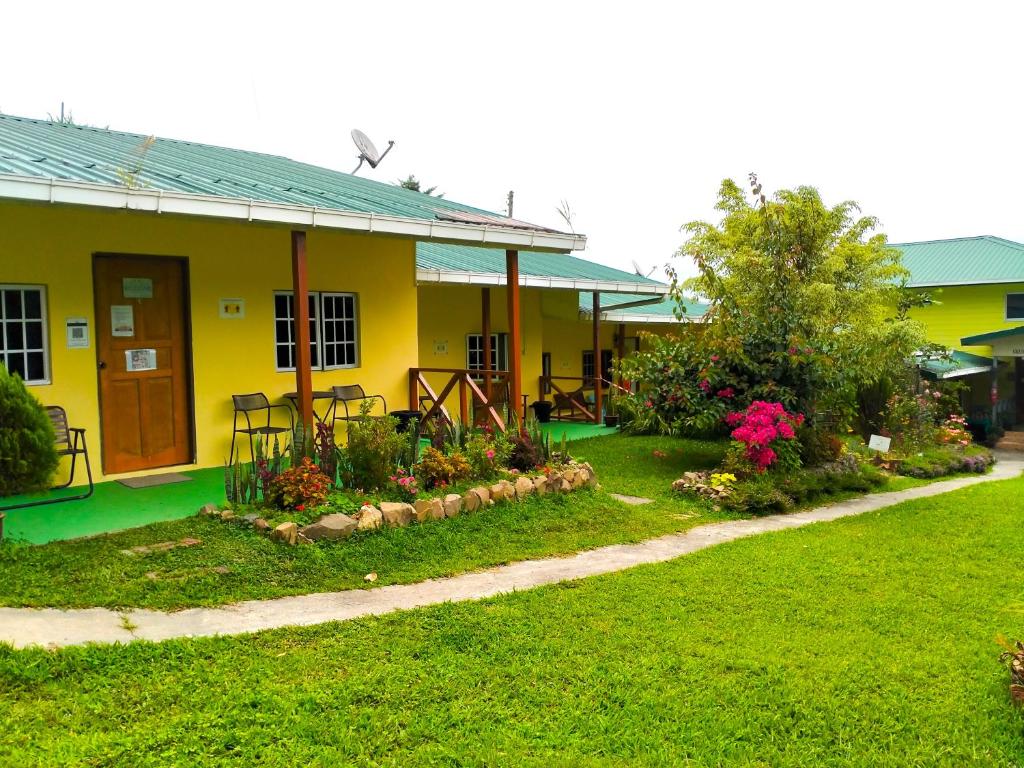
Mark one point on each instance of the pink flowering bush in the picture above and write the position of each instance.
(766, 434)
(403, 486)
(953, 431)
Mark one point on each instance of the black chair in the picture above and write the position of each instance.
(353, 393)
(69, 441)
(253, 404)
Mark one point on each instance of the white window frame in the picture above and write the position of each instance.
(44, 319)
(355, 329)
(1006, 307)
(318, 319)
(499, 350)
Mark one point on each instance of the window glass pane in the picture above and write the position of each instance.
(330, 355)
(16, 364)
(284, 356)
(284, 331)
(33, 305)
(1015, 306)
(12, 304)
(34, 335)
(282, 305)
(15, 336)
(35, 366)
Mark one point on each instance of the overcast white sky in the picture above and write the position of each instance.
(632, 112)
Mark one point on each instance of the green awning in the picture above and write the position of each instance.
(957, 364)
(987, 338)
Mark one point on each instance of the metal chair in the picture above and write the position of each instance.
(251, 404)
(349, 393)
(69, 441)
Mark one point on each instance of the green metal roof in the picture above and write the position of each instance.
(660, 312)
(959, 364)
(963, 261)
(982, 339)
(445, 258)
(44, 149)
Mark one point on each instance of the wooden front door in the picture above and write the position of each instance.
(143, 355)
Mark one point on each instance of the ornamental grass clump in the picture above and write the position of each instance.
(766, 434)
(28, 458)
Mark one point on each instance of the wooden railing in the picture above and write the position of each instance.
(565, 399)
(490, 396)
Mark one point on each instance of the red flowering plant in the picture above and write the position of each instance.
(765, 433)
(403, 486)
(300, 487)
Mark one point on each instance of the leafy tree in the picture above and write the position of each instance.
(28, 458)
(805, 309)
(411, 182)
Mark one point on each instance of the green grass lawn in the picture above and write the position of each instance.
(93, 571)
(869, 641)
(234, 563)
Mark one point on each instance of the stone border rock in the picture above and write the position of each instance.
(332, 527)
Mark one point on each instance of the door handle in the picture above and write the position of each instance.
(101, 365)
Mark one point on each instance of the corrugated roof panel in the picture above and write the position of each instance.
(465, 258)
(663, 309)
(963, 261)
(46, 149)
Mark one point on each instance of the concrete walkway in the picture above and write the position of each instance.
(55, 628)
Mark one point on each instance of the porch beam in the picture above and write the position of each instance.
(300, 297)
(515, 336)
(485, 325)
(597, 357)
(621, 349)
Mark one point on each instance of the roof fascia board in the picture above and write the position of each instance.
(647, 319)
(49, 190)
(452, 277)
(957, 372)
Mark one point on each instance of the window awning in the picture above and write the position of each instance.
(958, 364)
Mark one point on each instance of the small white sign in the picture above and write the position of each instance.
(879, 443)
(78, 332)
(122, 320)
(232, 309)
(140, 359)
(441, 347)
(137, 287)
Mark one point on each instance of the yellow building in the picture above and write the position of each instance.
(143, 282)
(975, 307)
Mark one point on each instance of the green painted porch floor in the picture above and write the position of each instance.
(575, 430)
(112, 507)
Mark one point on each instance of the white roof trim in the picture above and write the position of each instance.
(956, 372)
(49, 190)
(616, 317)
(446, 277)
(969, 282)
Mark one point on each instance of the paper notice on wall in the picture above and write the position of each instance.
(122, 320)
(137, 287)
(140, 359)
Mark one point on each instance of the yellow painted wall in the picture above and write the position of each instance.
(448, 313)
(53, 246)
(965, 310)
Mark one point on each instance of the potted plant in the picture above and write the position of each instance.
(542, 410)
(611, 412)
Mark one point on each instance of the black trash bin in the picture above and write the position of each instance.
(542, 410)
(405, 419)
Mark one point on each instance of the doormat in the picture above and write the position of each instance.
(152, 480)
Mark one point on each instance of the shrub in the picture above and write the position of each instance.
(486, 453)
(28, 459)
(946, 460)
(435, 469)
(403, 486)
(374, 449)
(768, 435)
(817, 445)
(300, 487)
(757, 496)
(525, 455)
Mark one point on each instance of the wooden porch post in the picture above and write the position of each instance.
(485, 330)
(515, 336)
(621, 349)
(300, 296)
(597, 357)
(994, 394)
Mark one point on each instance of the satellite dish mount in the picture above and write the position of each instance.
(367, 152)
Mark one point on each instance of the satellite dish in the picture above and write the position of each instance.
(367, 152)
